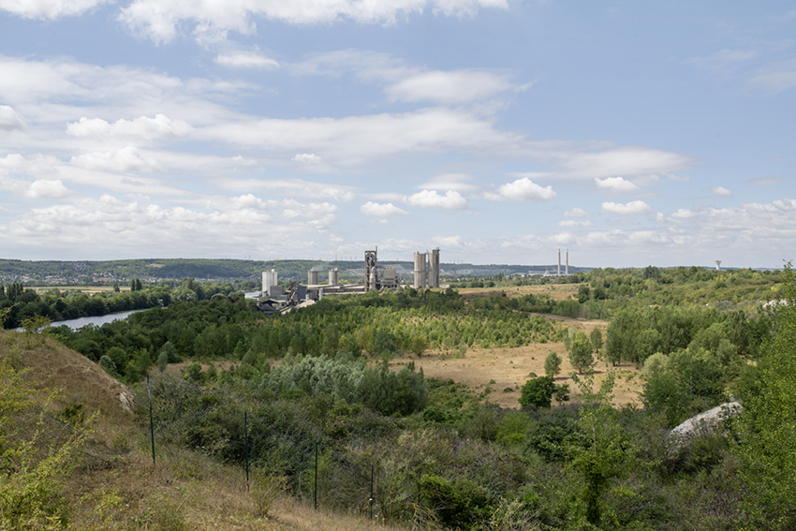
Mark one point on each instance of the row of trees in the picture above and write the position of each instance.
(58, 305)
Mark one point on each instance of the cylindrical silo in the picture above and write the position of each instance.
(433, 266)
(420, 270)
(312, 278)
(334, 277)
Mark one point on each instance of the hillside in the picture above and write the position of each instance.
(114, 484)
(153, 269)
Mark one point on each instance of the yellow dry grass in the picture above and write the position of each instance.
(505, 370)
(117, 487)
(557, 292)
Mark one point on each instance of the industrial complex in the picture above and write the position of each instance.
(278, 298)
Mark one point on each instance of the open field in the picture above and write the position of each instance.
(509, 368)
(557, 292)
(85, 289)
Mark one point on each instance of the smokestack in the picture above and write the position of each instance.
(558, 271)
(567, 262)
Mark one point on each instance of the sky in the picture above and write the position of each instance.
(499, 131)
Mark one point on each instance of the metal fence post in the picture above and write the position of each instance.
(315, 492)
(370, 500)
(246, 444)
(151, 423)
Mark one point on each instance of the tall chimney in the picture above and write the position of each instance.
(558, 271)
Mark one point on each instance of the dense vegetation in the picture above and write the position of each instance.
(57, 305)
(319, 379)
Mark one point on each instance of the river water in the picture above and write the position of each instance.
(80, 322)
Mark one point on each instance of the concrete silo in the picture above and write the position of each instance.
(433, 266)
(421, 273)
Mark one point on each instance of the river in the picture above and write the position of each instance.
(100, 320)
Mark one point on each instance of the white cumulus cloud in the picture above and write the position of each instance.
(616, 184)
(574, 223)
(626, 209)
(626, 160)
(143, 127)
(720, 190)
(683, 213)
(244, 59)
(576, 213)
(49, 9)
(42, 189)
(454, 87)
(525, 190)
(307, 158)
(125, 159)
(212, 19)
(452, 200)
(9, 119)
(382, 211)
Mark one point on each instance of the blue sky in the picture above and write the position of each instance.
(499, 131)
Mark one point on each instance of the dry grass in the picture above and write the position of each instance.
(557, 292)
(116, 486)
(509, 368)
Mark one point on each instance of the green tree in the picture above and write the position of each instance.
(580, 354)
(552, 364)
(768, 424)
(538, 392)
(596, 338)
(600, 447)
(419, 345)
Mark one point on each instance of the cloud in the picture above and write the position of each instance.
(296, 209)
(629, 209)
(382, 211)
(125, 159)
(50, 9)
(767, 181)
(459, 182)
(724, 59)
(41, 189)
(455, 87)
(573, 223)
(447, 241)
(307, 158)
(452, 200)
(524, 190)
(246, 60)
(627, 160)
(293, 188)
(720, 190)
(248, 201)
(354, 139)
(776, 77)
(683, 213)
(158, 19)
(10, 120)
(144, 127)
(616, 184)
(576, 213)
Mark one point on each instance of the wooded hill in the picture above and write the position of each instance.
(54, 272)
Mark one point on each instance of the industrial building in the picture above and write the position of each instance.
(427, 269)
(276, 298)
